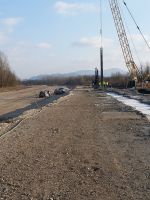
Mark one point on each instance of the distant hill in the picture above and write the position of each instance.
(107, 73)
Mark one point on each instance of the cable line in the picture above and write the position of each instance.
(131, 38)
(137, 25)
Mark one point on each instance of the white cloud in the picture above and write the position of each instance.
(112, 51)
(109, 42)
(139, 37)
(4, 39)
(93, 42)
(44, 45)
(74, 8)
(11, 21)
(28, 58)
(7, 26)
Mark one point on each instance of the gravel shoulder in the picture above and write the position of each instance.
(85, 146)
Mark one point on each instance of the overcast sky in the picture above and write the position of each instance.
(50, 36)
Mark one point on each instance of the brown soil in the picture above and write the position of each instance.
(86, 146)
(13, 88)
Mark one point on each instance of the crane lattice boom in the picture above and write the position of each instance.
(133, 70)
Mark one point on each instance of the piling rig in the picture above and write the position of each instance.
(96, 80)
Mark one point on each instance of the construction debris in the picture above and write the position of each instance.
(59, 91)
(44, 94)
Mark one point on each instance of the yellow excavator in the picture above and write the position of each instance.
(137, 81)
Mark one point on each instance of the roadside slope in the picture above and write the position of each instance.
(85, 146)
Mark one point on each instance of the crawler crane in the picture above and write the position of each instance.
(135, 74)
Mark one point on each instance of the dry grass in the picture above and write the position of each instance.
(13, 88)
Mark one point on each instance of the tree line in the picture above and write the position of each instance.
(7, 77)
(68, 81)
(117, 80)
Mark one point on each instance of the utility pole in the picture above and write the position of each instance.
(101, 45)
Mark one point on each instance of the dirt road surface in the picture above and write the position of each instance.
(86, 146)
(11, 100)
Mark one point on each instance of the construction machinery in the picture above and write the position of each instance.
(44, 94)
(59, 91)
(135, 74)
(95, 82)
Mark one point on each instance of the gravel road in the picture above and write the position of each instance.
(86, 146)
(12, 100)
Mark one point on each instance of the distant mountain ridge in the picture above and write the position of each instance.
(107, 73)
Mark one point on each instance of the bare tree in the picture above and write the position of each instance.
(7, 77)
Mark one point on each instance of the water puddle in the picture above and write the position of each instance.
(143, 108)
